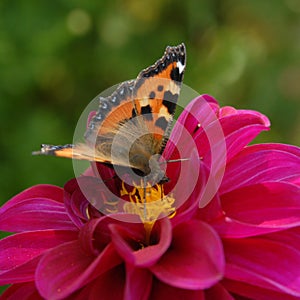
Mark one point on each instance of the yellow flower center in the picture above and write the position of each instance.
(148, 202)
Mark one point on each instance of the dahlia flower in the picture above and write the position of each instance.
(229, 232)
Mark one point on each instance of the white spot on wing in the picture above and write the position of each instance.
(180, 66)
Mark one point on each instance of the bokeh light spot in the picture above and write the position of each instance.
(79, 22)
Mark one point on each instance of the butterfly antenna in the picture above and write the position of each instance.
(173, 160)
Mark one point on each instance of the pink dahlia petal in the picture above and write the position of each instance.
(274, 146)
(162, 291)
(128, 239)
(229, 110)
(261, 163)
(289, 237)
(241, 125)
(21, 252)
(75, 202)
(218, 292)
(188, 198)
(103, 171)
(269, 204)
(258, 209)
(85, 198)
(34, 214)
(195, 259)
(76, 195)
(67, 268)
(24, 291)
(231, 228)
(82, 294)
(96, 234)
(88, 172)
(202, 110)
(244, 291)
(239, 130)
(109, 285)
(236, 141)
(138, 283)
(39, 191)
(267, 264)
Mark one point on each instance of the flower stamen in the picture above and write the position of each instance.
(148, 202)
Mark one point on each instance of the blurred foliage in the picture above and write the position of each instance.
(56, 56)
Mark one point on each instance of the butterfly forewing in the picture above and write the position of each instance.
(133, 123)
(157, 91)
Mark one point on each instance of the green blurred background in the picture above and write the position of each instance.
(56, 56)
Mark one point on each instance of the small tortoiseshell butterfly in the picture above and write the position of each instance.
(133, 124)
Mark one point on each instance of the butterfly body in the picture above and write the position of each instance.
(132, 125)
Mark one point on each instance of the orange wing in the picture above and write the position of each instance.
(156, 92)
(151, 97)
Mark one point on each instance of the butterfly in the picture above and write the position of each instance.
(131, 126)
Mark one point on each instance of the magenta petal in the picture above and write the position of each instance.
(34, 214)
(21, 252)
(138, 283)
(242, 289)
(103, 171)
(195, 259)
(289, 237)
(230, 228)
(218, 292)
(38, 191)
(109, 285)
(238, 140)
(257, 164)
(238, 130)
(162, 291)
(239, 118)
(264, 208)
(274, 146)
(68, 267)
(21, 291)
(263, 263)
(202, 110)
(123, 237)
(270, 204)
(229, 110)
(189, 197)
(78, 192)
